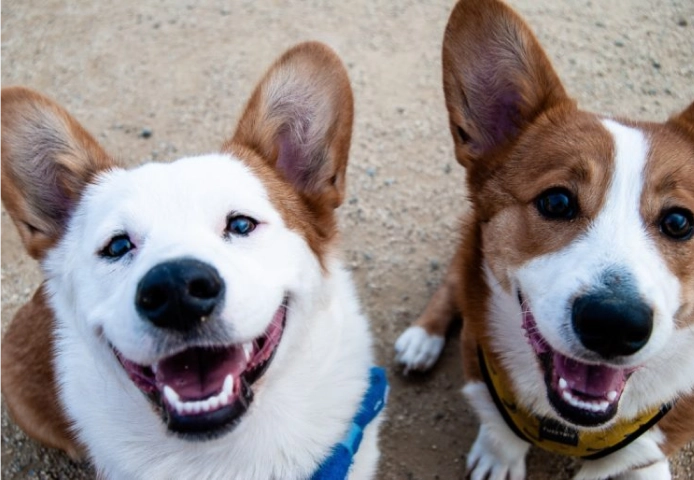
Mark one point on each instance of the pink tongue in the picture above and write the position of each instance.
(198, 373)
(590, 380)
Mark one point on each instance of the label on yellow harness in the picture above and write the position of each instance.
(558, 437)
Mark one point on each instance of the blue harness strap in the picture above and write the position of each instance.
(337, 465)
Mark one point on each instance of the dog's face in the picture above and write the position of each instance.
(586, 223)
(189, 279)
(186, 271)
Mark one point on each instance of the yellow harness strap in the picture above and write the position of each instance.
(555, 436)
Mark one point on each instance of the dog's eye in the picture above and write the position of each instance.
(557, 204)
(117, 247)
(240, 225)
(677, 223)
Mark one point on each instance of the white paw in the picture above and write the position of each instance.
(491, 459)
(417, 350)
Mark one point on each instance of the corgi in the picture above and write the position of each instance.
(196, 320)
(574, 272)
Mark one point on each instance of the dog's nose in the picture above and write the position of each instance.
(612, 325)
(179, 294)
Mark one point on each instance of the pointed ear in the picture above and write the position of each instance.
(47, 159)
(685, 120)
(299, 119)
(496, 77)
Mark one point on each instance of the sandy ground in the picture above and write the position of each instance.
(183, 69)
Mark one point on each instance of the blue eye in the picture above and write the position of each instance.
(117, 247)
(241, 225)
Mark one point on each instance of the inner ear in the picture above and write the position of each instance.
(47, 159)
(299, 120)
(497, 78)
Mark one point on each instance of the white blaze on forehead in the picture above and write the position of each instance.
(617, 241)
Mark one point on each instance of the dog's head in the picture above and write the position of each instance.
(586, 222)
(188, 277)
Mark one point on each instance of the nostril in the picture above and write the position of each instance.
(204, 288)
(153, 298)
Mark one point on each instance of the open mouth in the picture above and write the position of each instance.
(581, 393)
(202, 392)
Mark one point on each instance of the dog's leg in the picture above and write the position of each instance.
(627, 463)
(420, 345)
(497, 454)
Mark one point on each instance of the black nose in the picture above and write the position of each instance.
(612, 325)
(179, 294)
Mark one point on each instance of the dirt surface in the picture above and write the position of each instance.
(182, 70)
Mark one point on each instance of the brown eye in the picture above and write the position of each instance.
(557, 204)
(677, 224)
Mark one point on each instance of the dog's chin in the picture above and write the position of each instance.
(585, 394)
(202, 393)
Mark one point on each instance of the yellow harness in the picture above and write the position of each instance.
(555, 436)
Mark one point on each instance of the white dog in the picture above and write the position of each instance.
(195, 321)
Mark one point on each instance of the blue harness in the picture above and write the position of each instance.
(336, 466)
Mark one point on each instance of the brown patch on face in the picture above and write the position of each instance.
(295, 134)
(319, 231)
(669, 184)
(566, 149)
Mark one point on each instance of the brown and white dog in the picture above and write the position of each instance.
(195, 320)
(574, 274)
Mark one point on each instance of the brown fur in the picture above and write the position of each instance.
(544, 142)
(28, 378)
(37, 133)
(328, 102)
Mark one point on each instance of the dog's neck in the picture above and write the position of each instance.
(553, 435)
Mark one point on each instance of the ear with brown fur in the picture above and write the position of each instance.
(47, 158)
(299, 119)
(685, 120)
(496, 77)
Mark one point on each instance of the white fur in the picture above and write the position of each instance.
(304, 402)
(497, 454)
(643, 451)
(418, 350)
(616, 238)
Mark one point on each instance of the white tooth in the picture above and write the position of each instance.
(248, 350)
(567, 396)
(214, 403)
(171, 395)
(563, 383)
(612, 396)
(224, 399)
(205, 405)
(188, 407)
(196, 407)
(604, 405)
(228, 387)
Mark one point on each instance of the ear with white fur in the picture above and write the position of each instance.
(299, 119)
(47, 159)
(496, 77)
